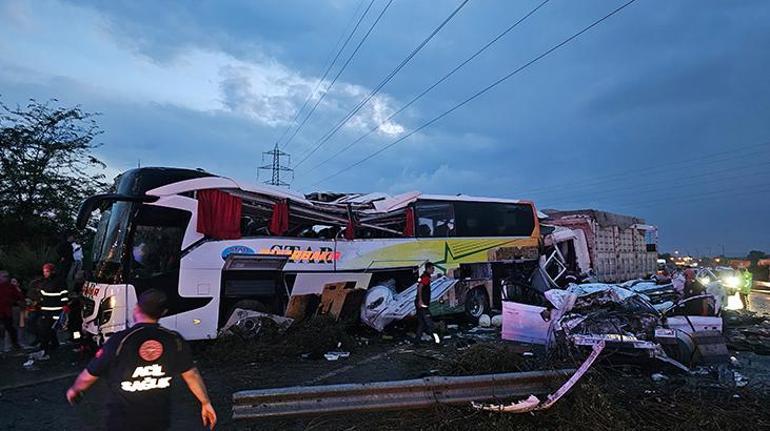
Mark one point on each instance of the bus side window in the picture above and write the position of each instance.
(479, 219)
(435, 220)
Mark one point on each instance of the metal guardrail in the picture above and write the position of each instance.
(393, 395)
(762, 286)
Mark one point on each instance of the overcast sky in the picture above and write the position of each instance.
(662, 111)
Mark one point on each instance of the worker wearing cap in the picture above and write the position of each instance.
(140, 365)
(747, 280)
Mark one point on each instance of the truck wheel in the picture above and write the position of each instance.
(476, 304)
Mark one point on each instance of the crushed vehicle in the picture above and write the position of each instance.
(619, 247)
(625, 320)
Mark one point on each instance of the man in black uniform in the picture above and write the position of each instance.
(140, 364)
(53, 295)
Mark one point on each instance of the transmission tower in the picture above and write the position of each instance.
(275, 167)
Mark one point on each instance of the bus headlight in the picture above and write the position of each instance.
(105, 309)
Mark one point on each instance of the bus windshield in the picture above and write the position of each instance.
(109, 242)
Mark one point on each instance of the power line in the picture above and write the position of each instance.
(328, 68)
(342, 69)
(647, 173)
(482, 91)
(434, 85)
(605, 178)
(325, 138)
(702, 196)
(677, 187)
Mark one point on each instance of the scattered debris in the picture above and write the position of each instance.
(747, 331)
(658, 377)
(314, 336)
(382, 305)
(485, 321)
(333, 356)
(497, 321)
(249, 323)
(533, 403)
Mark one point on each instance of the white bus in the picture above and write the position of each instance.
(214, 245)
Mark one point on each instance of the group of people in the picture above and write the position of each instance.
(43, 307)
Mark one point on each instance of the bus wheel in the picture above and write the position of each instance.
(476, 304)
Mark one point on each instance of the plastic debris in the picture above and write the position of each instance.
(497, 321)
(485, 321)
(658, 377)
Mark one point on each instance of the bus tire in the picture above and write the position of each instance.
(476, 304)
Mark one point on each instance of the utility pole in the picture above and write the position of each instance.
(275, 167)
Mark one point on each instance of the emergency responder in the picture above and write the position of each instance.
(421, 304)
(140, 365)
(747, 279)
(53, 295)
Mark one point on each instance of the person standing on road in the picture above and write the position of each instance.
(53, 299)
(747, 280)
(140, 365)
(422, 304)
(9, 296)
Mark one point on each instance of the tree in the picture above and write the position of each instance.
(47, 168)
(755, 255)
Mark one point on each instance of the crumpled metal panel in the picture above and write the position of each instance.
(381, 307)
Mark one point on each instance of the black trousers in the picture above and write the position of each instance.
(45, 332)
(7, 323)
(424, 323)
(745, 300)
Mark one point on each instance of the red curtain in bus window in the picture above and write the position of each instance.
(219, 214)
(350, 230)
(279, 223)
(409, 225)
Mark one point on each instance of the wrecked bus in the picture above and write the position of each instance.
(215, 245)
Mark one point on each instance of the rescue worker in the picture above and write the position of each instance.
(747, 280)
(53, 299)
(422, 303)
(140, 366)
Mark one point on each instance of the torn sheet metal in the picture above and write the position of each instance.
(249, 322)
(533, 403)
(588, 295)
(383, 305)
(691, 324)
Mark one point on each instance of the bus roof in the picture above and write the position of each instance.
(228, 183)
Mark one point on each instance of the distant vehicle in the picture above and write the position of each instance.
(726, 276)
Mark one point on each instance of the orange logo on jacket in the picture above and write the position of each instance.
(150, 350)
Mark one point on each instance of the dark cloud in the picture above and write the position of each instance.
(660, 84)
